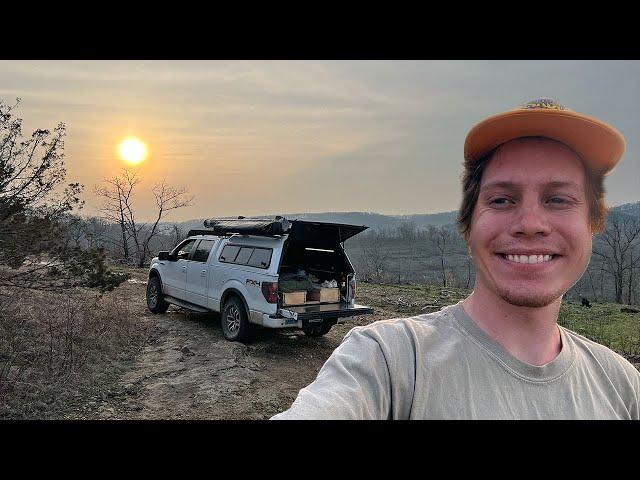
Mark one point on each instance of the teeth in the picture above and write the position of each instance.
(529, 258)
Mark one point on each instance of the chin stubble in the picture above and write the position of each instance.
(529, 301)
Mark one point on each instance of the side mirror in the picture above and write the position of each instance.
(163, 255)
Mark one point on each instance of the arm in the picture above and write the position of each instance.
(353, 384)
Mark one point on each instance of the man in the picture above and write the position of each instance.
(533, 197)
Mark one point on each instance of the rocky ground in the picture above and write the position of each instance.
(187, 370)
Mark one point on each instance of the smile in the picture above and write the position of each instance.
(528, 258)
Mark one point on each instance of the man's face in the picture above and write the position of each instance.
(530, 236)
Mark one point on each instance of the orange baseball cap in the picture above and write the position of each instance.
(599, 144)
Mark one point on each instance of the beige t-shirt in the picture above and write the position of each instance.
(443, 366)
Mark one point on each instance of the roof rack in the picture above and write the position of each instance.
(300, 230)
(244, 226)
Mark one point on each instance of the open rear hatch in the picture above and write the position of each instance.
(322, 233)
(315, 248)
(326, 310)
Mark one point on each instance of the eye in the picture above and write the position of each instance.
(499, 201)
(559, 200)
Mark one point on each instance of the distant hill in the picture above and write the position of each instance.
(378, 221)
(627, 210)
(372, 220)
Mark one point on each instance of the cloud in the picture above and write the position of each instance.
(377, 134)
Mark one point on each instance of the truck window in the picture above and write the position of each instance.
(244, 255)
(229, 253)
(202, 252)
(182, 251)
(261, 257)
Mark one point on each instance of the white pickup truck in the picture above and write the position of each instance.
(234, 267)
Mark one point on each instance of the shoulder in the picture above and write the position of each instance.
(399, 332)
(617, 368)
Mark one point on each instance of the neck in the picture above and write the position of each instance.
(529, 334)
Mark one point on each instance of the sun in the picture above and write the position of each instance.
(132, 150)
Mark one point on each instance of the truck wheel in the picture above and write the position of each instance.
(235, 324)
(318, 329)
(155, 297)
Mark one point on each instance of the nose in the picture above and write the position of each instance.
(530, 219)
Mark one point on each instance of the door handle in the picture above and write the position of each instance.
(203, 273)
(184, 269)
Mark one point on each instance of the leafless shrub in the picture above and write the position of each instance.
(52, 346)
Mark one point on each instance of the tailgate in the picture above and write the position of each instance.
(326, 310)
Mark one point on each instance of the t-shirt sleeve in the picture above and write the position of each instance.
(353, 384)
(633, 396)
(635, 409)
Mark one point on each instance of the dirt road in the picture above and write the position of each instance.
(187, 370)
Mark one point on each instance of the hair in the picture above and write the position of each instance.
(472, 178)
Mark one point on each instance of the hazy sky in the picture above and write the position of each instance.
(254, 137)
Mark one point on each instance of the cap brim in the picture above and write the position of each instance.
(599, 144)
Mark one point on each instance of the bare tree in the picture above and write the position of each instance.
(117, 197)
(76, 231)
(118, 207)
(634, 264)
(407, 231)
(176, 234)
(167, 198)
(616, 251)
(441, 239)
(469, 263)
(95, 232)
(374, 259)
(593, 289)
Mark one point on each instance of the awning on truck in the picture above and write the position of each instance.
(298, 230)
(244, 226)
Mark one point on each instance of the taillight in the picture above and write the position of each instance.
(352, 287)
(270, 291)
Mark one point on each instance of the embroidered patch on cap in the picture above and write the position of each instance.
(546, 103)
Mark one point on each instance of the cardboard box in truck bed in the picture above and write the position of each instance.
(294, 298)
(331, 295)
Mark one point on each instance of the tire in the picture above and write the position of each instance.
(155, 298)
(318, 329)
(234, 321)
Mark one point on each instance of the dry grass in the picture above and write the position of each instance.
(55, 349)
(409, 299)
(605, 324)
